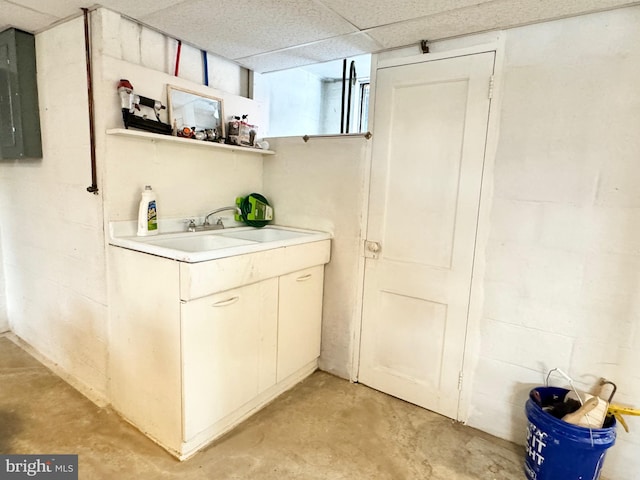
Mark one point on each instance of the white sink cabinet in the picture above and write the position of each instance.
(198, 347)
(300, 298)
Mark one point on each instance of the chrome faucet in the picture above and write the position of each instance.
(218, 210)
(192, 227)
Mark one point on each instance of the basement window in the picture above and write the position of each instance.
(363, 124)
(307, 100)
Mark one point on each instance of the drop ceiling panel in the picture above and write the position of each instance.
(340, 47)
(333, 70)
(271, 35)
(489, 16)
(237, 28)
(366, 14)
(58, 9)
(23, 18)
(67, 8)
(138, 8)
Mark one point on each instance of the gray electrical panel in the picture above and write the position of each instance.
(19, 116)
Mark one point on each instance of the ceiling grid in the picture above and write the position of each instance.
(271, 35)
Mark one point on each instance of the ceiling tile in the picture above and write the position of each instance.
(239, 28)
(59, 9)
(489, 16)
(333, 69)
(367, 14)
(270, 35)
(138, 8)
(274, 62)
(23, 18)
(340, 47)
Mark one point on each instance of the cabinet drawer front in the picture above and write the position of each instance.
(228, 350)
(200, 279)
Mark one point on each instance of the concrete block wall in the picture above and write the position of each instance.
(302, 184)
(53, 231)
(562, 279)
(4, 319)
(133, 43)
(124, 49)
(212, 178)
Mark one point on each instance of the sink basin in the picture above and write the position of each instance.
(265, 234)
(202, 243)
(193, 247)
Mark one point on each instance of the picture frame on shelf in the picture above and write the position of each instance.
(196, 115)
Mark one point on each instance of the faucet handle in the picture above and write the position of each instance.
(191, 227)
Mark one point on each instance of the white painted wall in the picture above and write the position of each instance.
(562, 280)
(295, 102)
(561, 263)
(189, 181)
(212, 177)
(133, 43)
(4, 319)
(147, 60)
(52, 229)
(561, 283)
(330, 113)
(320, 185)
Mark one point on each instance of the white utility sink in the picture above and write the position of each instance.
(195, 247)
(200, 243)
(265, 234)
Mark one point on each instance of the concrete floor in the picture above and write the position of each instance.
(324, 428)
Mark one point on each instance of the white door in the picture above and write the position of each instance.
(428, 154)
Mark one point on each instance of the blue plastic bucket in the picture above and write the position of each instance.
(557, 450)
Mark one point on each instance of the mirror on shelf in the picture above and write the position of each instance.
(192, 109)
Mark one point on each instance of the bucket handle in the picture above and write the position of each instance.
(568, 379)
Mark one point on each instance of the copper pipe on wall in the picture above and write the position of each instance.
(93, 188)
(175, 73)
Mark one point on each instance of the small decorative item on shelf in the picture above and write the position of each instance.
(262, 144)
(233, 131)
(186, 132)
(241, 132)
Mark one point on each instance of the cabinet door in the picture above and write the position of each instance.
(228, 352)
(299, 319)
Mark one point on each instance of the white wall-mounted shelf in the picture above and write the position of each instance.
(123, 132)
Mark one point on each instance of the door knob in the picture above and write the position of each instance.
(371, 249)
